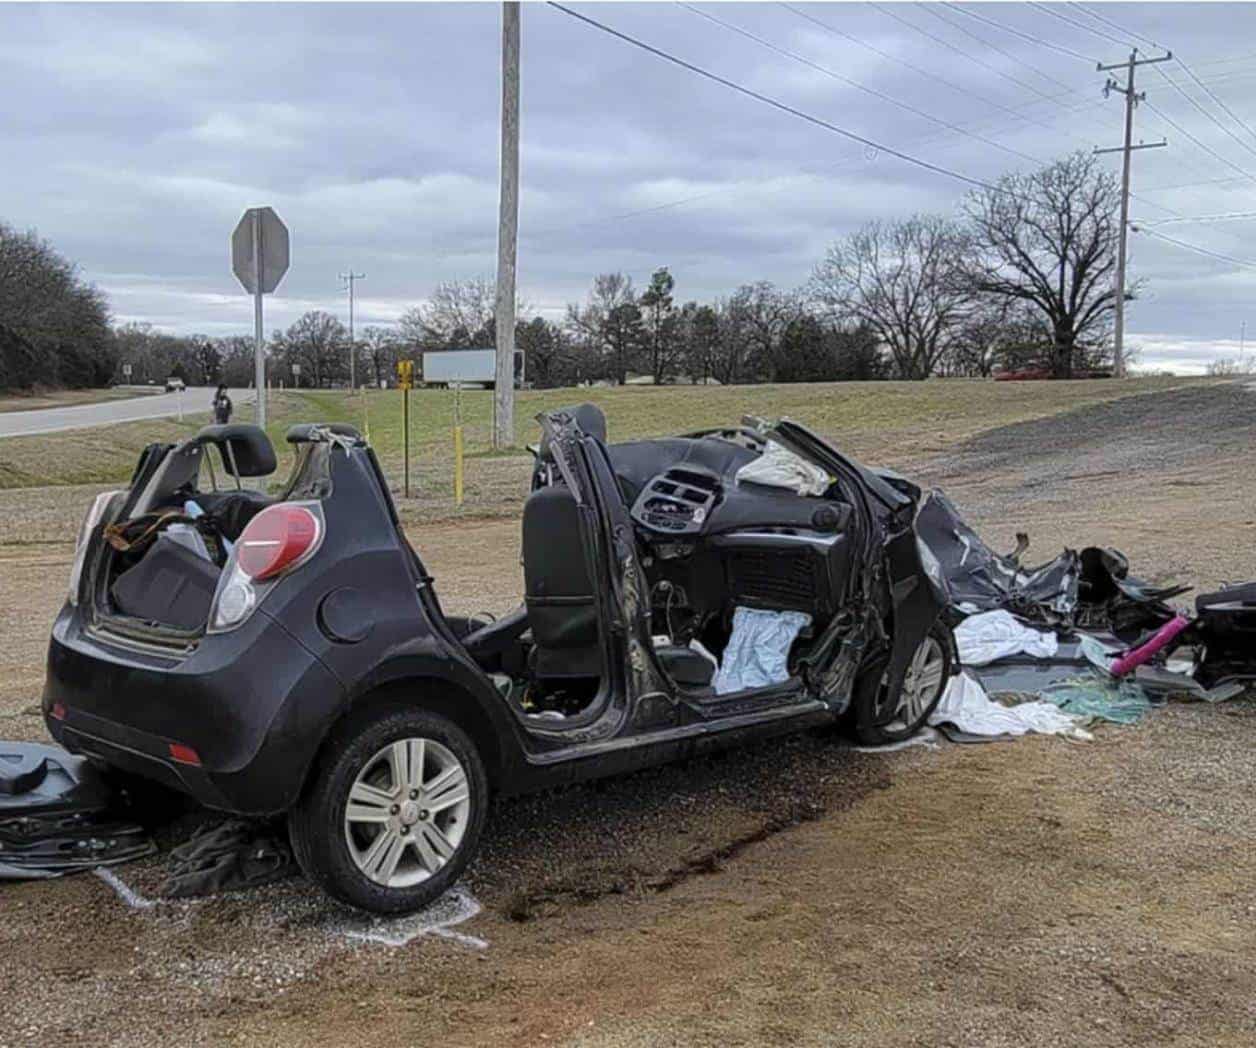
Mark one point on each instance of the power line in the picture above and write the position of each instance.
(774, 103)
(1194, 247)
(1211, 94)
(1119, 28)
(1016, 32)
(1192, 185)
(1230, 216)
(933, 9)
(1189, 72)
(858, 86)
(1211, 117)
(959, 50)
(1079, 25)
(1202, 145)
(960, 88)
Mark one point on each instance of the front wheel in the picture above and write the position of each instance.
(881, 716)
(394, 811)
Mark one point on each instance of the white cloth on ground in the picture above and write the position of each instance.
(966, 705)
(994, 635)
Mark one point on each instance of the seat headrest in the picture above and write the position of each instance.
(306, 432)
(246, 449)
(590, 419)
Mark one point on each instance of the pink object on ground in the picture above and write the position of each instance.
(1159, 640)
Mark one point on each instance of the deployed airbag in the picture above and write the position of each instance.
(757, 653)
(778, 467)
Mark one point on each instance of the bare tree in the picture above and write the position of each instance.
(903, 280)
(608, 326)
(757, 317)
(459, 314)
(1049, 238)
(317, 341)
(382, 347)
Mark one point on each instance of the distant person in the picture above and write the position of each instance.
(222, 406)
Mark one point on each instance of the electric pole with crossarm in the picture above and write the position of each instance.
(1132, 98)
(350, 278)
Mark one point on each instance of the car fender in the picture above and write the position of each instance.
(424, 671)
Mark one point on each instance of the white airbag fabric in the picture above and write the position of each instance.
(758, 650)
(966, 705)
(778, 467)
(993, 635)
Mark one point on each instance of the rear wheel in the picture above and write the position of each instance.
(394, 812)
(881, 715)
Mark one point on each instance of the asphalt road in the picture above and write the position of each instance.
(196, 399)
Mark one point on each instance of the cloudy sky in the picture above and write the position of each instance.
(134, 136)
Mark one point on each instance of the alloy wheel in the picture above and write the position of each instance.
(921, 683)
(407, 812)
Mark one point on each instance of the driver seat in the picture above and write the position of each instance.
(558, 593)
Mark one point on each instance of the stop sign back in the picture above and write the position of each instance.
(273, 249)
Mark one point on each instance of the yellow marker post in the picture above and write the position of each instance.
(457, 444)
(405, 379)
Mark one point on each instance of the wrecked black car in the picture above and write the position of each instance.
(287, 654)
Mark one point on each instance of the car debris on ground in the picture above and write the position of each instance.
(1077, 632)
(59, 814)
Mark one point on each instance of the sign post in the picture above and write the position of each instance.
(259, 259)
(405, 379)
(126, 372)
(296, 375)
(457, 443)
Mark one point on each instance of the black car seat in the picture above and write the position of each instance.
(559, 594)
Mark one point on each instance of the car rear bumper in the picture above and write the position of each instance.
(234, 723)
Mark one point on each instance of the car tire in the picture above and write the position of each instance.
(877, 718)
(376, 833)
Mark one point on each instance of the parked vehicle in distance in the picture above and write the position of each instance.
(467, 368)
(680, 594)
(174, 384)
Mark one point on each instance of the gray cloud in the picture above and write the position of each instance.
(135, 135)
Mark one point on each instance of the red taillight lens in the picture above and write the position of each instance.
(275, 540)
(58, 711)
(184, 754)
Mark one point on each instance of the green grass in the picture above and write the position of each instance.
(880, 421)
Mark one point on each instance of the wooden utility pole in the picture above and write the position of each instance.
(350, 279)
(507, 232)
(1132, 99)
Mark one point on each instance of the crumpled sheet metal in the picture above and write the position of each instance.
(980, 579)
(1091, 589)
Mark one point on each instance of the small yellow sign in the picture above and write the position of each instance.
(405, 374)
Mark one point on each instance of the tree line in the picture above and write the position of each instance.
(1020, 277)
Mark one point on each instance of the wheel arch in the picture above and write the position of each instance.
(424, 689)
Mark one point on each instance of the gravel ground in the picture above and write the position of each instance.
(793, 892)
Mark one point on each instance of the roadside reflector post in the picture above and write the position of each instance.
(405, 379)
(457, 443)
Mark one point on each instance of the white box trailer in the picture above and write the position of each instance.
(467, 367)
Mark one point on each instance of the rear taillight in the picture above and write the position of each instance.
(93, 518)
(276, 540)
